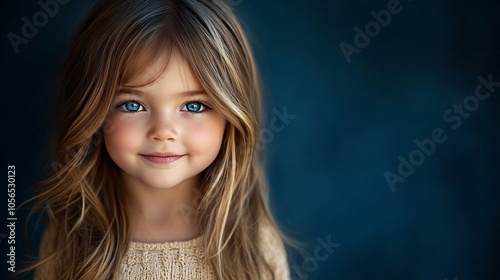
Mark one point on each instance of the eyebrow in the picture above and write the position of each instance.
(142, 93)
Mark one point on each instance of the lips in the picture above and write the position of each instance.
(161, 154)
(161, 157)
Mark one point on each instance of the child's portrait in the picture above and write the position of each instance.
(250, 139)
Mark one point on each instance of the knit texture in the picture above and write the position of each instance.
(182, 260)
(169, 260)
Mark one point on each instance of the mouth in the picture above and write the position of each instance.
(161, 157)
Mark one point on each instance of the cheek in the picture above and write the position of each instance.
(205, 137)
(122, 136)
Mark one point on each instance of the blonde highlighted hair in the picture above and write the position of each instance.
(88, 231)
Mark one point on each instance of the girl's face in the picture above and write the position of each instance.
(164, 133)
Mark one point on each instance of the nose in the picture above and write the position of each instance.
(163, 127)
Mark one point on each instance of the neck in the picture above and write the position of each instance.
(161, 215)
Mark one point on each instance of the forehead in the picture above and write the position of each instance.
(145, 65)
(170, 72)
(144, 70)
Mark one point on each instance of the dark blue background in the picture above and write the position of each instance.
(352, 122)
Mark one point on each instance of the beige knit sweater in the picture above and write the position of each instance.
(181, 260)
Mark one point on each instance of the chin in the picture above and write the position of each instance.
(159, 183)
(163, 185)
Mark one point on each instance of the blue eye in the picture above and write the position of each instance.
(131, 106)
(194, 107)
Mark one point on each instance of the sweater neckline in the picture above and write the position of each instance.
(166, 245)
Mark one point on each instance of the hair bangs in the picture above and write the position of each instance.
(141, 55)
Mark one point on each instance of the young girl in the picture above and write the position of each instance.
(158, 175)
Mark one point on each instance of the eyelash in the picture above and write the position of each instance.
(202, 104)
(123, 102)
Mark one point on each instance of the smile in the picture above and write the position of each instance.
(162, 159)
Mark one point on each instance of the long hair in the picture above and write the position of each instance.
(88, 231)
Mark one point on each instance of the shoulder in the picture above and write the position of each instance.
(274, 251)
